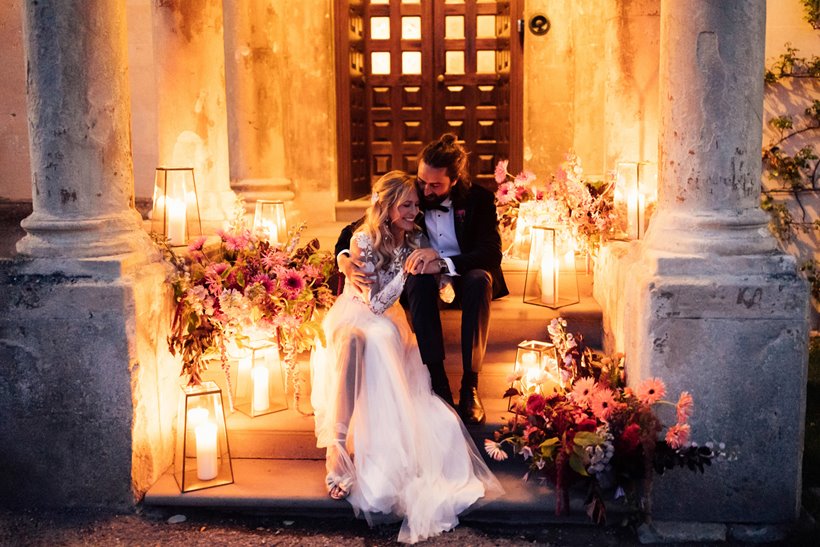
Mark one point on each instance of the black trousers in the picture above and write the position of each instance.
(473, 295)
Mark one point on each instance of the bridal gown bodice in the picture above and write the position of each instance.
(406, 451)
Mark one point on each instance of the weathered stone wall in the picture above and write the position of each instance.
(15, 171)
(87, 384)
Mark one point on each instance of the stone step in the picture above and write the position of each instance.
(297, 488)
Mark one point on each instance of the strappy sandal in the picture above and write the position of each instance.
(338, 487)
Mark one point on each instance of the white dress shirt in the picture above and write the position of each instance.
(441, 231)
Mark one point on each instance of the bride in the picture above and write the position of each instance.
(394, 449)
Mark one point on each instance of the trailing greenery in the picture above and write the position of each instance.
(812, 9)
(798, 172)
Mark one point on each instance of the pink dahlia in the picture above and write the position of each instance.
(505, 193)
(684, 407)
(583, 389)
(651, 391)
(196, 244)
(678, 435)
(292, 283)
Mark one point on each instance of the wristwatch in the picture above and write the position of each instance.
(442, 265)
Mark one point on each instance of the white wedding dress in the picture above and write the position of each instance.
(408, 456)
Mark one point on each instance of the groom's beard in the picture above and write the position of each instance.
(432, 201)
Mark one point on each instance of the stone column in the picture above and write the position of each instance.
(79, 133)
(712, 306)
(87, 390)
(632, 48)
(191, 113)
(254, 63)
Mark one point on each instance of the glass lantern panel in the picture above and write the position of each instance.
(202, 457)
(551, 276)
(260, 379)
(380, 28)
(270, 220)
(380, 62)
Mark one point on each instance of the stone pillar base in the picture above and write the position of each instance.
(88, 389)
(733, 332)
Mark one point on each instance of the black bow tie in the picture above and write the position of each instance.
(438, 207)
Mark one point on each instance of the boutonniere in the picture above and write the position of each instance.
(460, 214)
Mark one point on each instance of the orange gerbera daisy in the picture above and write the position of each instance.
(684, 406)
(651, 391)
(583, 389)
(602, 403)
(677, 435)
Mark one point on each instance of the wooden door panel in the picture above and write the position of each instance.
(432, 66)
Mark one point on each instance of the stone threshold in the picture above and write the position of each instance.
(296, 487)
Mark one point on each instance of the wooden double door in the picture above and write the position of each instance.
(410, 70)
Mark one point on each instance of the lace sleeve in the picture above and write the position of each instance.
(387, 296)
(388, 286)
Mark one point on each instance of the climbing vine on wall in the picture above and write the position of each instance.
(796, 171)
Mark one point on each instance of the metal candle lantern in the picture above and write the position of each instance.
(634, 194)
(269, 220)
(260, 379)
(551, 277)
(175, 212)
(202, 458)
(535, 363)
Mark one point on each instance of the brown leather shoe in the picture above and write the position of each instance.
(470, 408)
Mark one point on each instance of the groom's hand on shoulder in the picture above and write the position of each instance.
(354, 270)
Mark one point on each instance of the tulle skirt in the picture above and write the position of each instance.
(406, 450)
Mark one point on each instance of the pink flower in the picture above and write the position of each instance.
(292, 283)
(678, 435)
(501, 171)
(583, 389)
(651, 391)
(684, 407)
(494, 450)
(524, 178)
(265, 281)
(535, 403)
(273, 259)
(602, 403)
(196, 245)
(505, 193)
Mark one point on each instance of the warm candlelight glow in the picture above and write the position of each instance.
(261, 387)
(207, 465)
(175, 209)
(269, 220)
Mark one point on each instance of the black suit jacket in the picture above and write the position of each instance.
(476, 227)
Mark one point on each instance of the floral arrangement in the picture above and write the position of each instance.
(246, 285)
(585, 206)
(598, 430)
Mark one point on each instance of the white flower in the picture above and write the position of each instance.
(526, 452)
(494, 450)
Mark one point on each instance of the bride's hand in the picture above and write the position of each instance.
(422, 261)
(354, 270)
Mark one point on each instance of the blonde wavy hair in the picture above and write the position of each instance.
(391, 189)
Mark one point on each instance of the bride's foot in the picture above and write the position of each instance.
(338, 487)
(339, 479)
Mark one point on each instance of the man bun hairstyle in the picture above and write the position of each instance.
(447, 153)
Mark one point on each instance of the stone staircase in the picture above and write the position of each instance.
(277, 466)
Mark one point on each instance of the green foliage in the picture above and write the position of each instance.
(812, 12)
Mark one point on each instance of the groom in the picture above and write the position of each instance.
(465, 247)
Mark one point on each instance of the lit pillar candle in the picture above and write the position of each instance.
(530, 369)
(549, 273)
(175, 211)
(207, 465)
(261, 382)
(242, 374)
